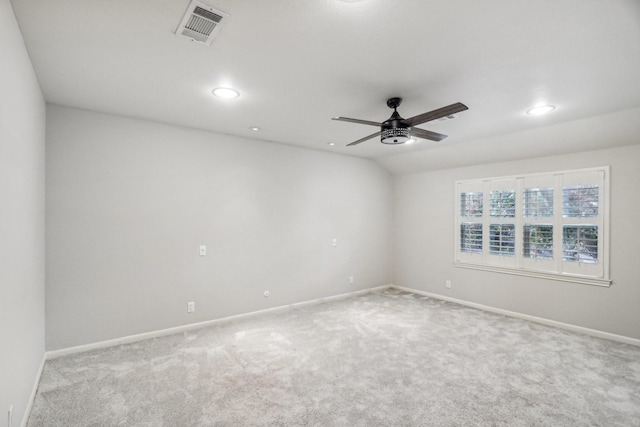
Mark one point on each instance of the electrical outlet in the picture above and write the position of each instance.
(334, 242)
(191, 307)
(447, 284)
(203, 250)
(351, 280)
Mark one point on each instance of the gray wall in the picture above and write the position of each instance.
(424, 209)
(130, 201)
(22, 149)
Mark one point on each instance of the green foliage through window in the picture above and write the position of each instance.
(538, 202)
(538, 241)
(502, 239)
(471, 204)
(503, 203)
(580, 243)
(471, 237)
(580, 201)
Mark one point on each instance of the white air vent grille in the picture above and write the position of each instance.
(201, 23)
(446, 118)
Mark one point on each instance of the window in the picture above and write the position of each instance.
(543, 225)
(471, 204)
(503, 204)
(538, 202)
(471, 237)
(580, 201)
(537, 241)
(580, 243)
(502, 239)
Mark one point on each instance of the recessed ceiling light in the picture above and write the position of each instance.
(543, 109)
(225, 92)
(332, 144)
(254, 128)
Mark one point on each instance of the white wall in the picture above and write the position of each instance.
(130, 201)
(22, 150)
(424, 209)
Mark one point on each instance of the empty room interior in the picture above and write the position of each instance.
(339, 212)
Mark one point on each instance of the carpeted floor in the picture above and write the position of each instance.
(386, 358)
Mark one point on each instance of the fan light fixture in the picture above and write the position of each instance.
(543, 109)
(398, 135)
(225, 92)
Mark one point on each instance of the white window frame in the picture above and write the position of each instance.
(553, 269)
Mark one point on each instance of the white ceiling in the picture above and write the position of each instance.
(298, 63)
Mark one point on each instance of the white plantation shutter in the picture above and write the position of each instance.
(540, 205)
(537, 202)
(469, 227)
(537, 241)
(471, 237)
(551, 225)
(500, 222)
(583, 223)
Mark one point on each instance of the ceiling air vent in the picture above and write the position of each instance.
(201, 23)
(445, 118)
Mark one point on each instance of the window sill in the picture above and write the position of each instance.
(536, 274)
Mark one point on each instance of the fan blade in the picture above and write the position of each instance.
(364, 139)
(427, 134)
(362, 122)
(435, 114)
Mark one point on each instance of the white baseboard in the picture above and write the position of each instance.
(34, 390)
(548, 322)
(193, 326)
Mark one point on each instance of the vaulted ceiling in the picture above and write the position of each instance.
(298, 63)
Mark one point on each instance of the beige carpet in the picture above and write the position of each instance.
(387, 358)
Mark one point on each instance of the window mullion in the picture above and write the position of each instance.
(557, 221)
(603, 221)
(486, 239)
(519, 223)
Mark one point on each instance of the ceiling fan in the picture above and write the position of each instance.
(396, 130)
